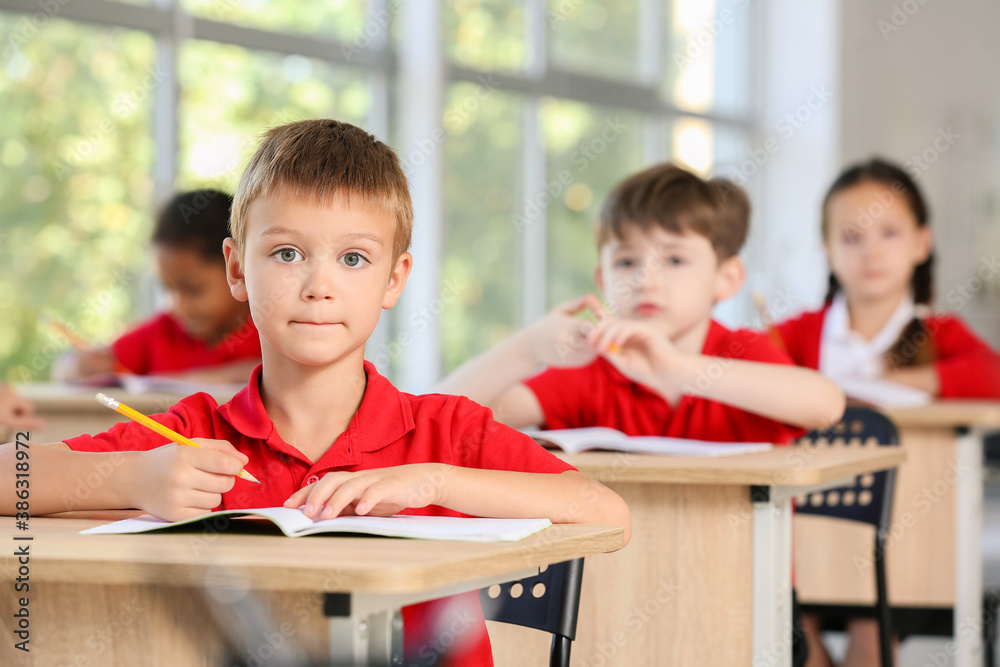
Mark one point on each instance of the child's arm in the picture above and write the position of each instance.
(923, 377)
(172, 482)
(567, 497)
(784, 393)
(494, 377)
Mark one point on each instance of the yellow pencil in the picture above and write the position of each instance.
(134, 415)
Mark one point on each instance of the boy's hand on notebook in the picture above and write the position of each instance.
(376, 492)
(176, 482)
(638, 351)
(560, 338)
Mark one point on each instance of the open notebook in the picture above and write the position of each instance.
(575, 440)
(294, 523)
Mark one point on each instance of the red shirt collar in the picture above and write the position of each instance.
(383, 417)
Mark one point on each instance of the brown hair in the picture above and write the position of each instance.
(913, 346)
(197, 220)
(323, 160)
(678, 201)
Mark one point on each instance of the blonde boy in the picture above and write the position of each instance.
(321, 224)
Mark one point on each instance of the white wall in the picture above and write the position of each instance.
(912, 73)
(798, 116)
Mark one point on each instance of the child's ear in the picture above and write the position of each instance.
(599, 279)
(729, 278)
(234, 274)
(397, 280)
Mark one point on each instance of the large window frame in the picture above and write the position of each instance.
(414, 74)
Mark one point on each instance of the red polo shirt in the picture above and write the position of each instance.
(160, 345)
(599, 395)
(966, 366)
(390, 428)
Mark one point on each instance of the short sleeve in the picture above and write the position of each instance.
(566, 396)
(490, 445)
(130, 436)
(966, 366)
(133, 349)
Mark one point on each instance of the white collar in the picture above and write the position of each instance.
(836, 325)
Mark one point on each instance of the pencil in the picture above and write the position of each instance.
(157, 427)
(765, 317)
(78, 342)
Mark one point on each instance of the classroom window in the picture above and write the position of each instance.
(77, 152)
(578, 87)
(595, 37)
(489, 34)
(588, 149)
(260, 90)
(481, 272)
(346, 20)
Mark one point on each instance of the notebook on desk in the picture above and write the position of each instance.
(575, 440)
(294, 523)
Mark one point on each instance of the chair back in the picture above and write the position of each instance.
(549, 601)
(869, 498)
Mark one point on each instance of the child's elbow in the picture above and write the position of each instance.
(831, 406)
(618, 514)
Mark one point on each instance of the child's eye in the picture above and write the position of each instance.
(624, 263)
(287, 255)
(354, 259)
(674, 260)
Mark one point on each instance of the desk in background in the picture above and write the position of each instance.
(70, 411)
(706, 578)
(171, 599)
(934, 553)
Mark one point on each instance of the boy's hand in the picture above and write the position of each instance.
(376, 492)
(94, 362)
(560, 338)
(176, 482)
(638, 351)
(17, 411)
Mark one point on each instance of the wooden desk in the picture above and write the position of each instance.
(934, 555)
(705, 579)
(172, 599)
(70, 411)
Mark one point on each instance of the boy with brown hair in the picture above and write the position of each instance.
(655, 362)
(321, 224)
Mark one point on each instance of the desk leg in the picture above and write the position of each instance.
(968, 549)
(772, 585)
(363, 637)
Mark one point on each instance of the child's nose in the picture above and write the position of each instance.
(319, 283)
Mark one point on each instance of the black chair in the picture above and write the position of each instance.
(549, 602)
(868, 500)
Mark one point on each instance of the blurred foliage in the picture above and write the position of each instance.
(76, 144)
(346, 20)
(588, 150)
(260, 90)
(487, 34)
(481, 274)
(595, 36)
